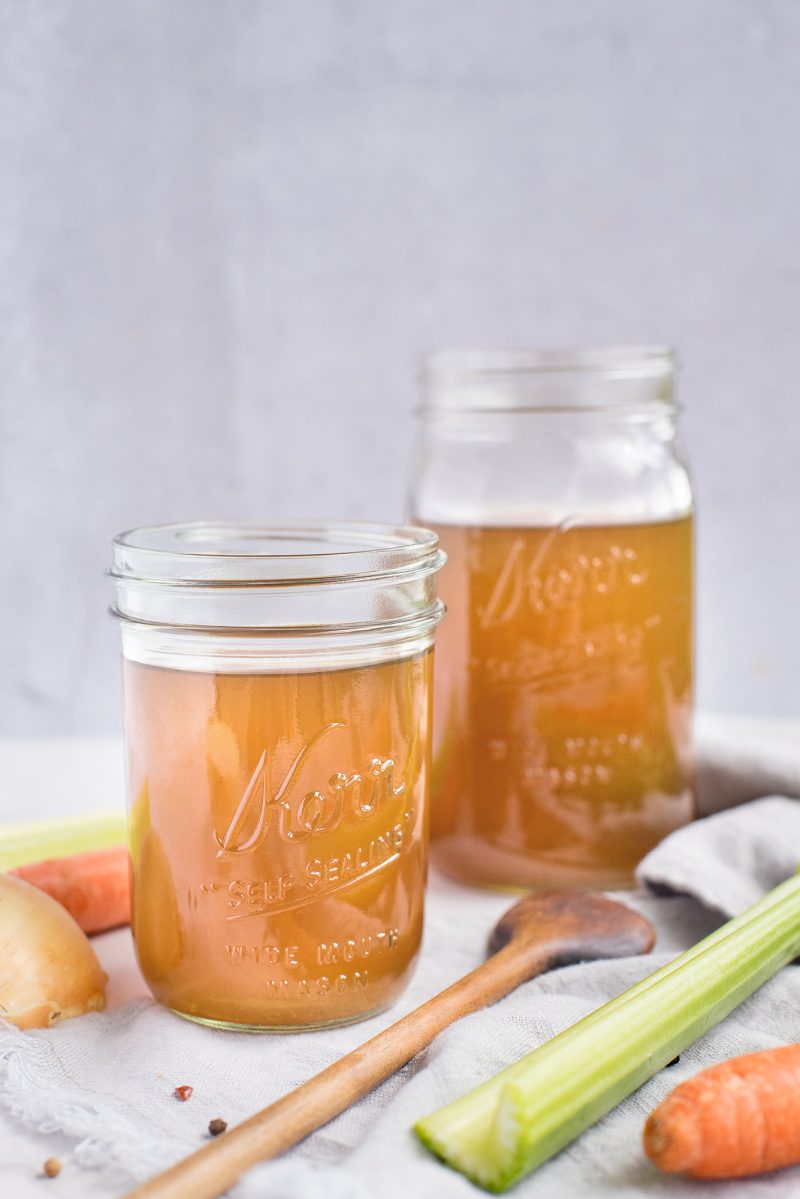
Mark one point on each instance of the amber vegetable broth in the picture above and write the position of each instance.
(277, 838)
(563, 692)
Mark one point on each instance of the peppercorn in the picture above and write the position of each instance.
(217, 1126)
(52, 1167)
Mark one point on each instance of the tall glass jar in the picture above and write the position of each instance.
(563, 708)
(277, 725)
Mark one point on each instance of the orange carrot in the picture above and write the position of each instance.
(738, 1118)
(93, 887)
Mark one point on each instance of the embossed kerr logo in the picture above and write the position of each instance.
(544, 585)
(274, 808)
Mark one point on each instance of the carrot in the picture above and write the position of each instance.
(738, 1118)
(94, 887)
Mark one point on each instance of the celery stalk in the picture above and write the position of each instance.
(522, 1116)
(21, 844)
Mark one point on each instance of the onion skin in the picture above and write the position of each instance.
(48, 969)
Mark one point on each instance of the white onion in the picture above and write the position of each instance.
(48, 969)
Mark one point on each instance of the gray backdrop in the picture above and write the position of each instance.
(228, 226)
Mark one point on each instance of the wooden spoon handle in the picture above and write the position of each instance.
(211, 1170)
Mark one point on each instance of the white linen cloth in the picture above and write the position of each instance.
(101, 1087)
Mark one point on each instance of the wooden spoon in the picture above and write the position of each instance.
(537, 934)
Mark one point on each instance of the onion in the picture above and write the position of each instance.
(48, 969)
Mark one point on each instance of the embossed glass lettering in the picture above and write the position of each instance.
(316, 812)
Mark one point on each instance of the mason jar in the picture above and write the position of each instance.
(563, 710)
(277, 724)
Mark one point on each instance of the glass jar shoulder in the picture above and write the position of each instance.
(543, 473)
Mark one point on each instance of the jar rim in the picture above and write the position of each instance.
(621, 361)
(239, 553)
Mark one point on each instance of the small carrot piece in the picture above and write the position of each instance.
(738, 1118)
(94, 887)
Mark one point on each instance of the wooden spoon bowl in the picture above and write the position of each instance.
(573, 926)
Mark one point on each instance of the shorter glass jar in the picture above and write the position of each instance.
(277, 727)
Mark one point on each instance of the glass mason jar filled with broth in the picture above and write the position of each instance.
(563, 709)
(277, 726)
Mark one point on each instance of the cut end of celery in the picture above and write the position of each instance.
(485, 1152)
(21, 844)
(459, 1156)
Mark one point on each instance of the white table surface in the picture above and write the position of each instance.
(59, 775)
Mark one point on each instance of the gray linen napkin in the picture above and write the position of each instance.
(728, 861)
(739, 758)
